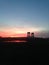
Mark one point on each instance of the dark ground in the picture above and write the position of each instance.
(33, 52)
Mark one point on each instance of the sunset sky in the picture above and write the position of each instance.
(17, 17)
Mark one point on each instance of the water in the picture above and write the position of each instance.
(17, 41)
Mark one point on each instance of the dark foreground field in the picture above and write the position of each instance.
(34, 51)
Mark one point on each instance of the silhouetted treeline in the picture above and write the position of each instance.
(23, 38)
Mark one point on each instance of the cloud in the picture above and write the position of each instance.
(44, 34)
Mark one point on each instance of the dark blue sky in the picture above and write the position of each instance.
(24, 13)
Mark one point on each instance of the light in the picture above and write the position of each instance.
(13, 32)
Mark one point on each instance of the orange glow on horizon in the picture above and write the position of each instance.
(5, 34)
(17, 32)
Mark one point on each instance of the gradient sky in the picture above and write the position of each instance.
(20, 16)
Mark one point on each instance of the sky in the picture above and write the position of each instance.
(17, 17)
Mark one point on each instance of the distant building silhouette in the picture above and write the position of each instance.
(28, 34)
(32, 35)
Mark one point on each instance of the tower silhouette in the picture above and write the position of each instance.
(32, 35)
(28, 34)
